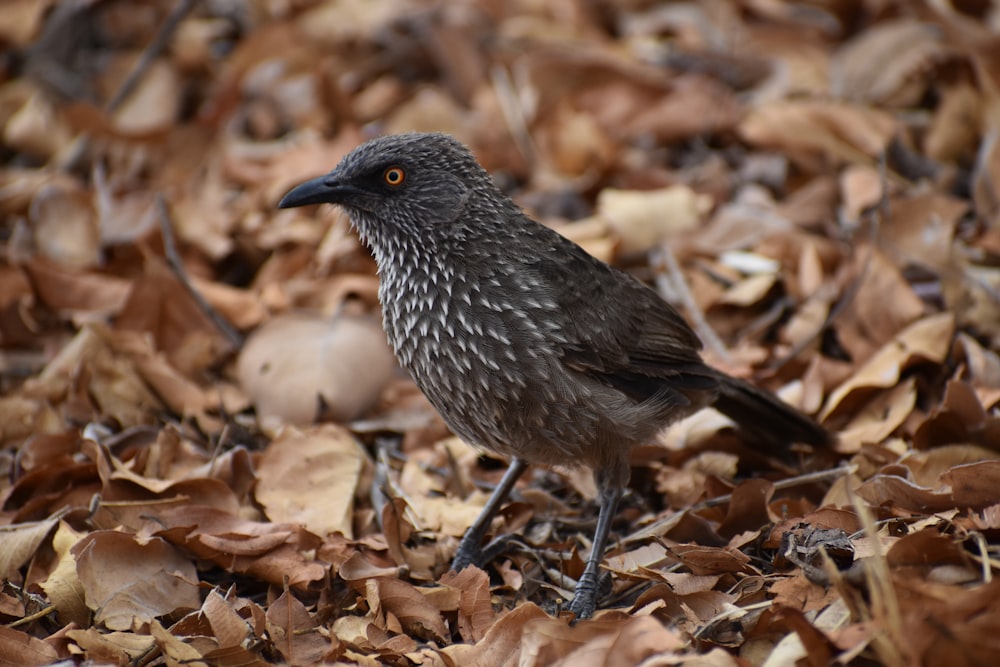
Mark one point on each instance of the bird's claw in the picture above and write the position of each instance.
(583, 604)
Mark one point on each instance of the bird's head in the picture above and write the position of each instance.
(405, 186)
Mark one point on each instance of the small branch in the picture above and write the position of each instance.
(151, 53)
(42, 613)
(512, 112)
(177, 266)
(679, 286)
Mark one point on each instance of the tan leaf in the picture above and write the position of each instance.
(19, 649)
(65, 226)
(127, 582)
(63, 585)
(310, 477)
(644, 218)
(297, 364)
(811, 131)
(21, 541)
(903, 50)
(928, 339)
(153, 105)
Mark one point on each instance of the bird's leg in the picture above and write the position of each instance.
(585, 597)
(470, 549)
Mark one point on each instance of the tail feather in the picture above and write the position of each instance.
(765, 416)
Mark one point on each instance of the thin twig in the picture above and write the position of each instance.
(177, 266)
(512, 112)
(152, 51)
(679, 286)
(42, 613)
(150, 54)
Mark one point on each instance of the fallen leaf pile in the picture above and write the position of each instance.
(209, 456)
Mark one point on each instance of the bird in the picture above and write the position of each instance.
(527, 345)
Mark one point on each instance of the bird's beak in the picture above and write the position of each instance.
(323, 190)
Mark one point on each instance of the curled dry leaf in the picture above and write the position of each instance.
(870, 320)
(502, 641)
(276, 553)
(402, 602)
(294, 632)
(229, 628)
(35, 129)
(21, 542)
(296, 363)
(606, 641)
(66, 290)
(878, 418)
(961, 418)
(861, 188)
(113, 647)
(921, 230)
(475, 610)
(63, 585)
(815, 132)
(903, 50)
(576, 144)
(955, 129)
(928, 339)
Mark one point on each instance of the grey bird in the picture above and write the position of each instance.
(526, 344)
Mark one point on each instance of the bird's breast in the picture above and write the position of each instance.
(445, 327)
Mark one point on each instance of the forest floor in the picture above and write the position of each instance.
(209, 456)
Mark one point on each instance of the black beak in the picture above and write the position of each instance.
(323, 190)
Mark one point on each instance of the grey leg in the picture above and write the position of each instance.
(470, 549)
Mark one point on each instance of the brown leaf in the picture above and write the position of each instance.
(813, 132)
(294, 632)
(227, 625)
(475, 612)
(404, 602)
(21, 541)
(928, 339)
(113, 647)
(610, 639)
(128, 582)
(903, 49)
(310, 477)
(19, 649)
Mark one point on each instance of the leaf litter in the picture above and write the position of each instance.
(175, 495)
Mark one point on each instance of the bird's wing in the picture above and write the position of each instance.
(619, 330)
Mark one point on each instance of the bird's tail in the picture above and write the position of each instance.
(765, 416)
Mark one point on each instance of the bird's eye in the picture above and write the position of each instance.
(394, 176)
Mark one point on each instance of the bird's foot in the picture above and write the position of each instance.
(588, 590)
(583, 604)
(471, 553)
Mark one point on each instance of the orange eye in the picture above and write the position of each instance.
(394, 176)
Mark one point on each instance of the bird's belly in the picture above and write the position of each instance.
(499, 381)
